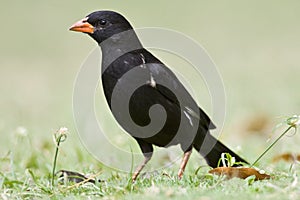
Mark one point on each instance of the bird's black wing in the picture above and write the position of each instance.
(138, 79)
(162, 74)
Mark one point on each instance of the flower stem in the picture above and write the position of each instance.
(272, 145)
(55, 158)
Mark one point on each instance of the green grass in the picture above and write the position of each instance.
(26, 174)
(24, 184)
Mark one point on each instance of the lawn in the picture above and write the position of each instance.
(255, 47)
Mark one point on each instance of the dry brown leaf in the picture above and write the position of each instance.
(288, 157)
(258, 123)
(241, 172)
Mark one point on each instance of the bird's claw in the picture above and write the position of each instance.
(180, 174)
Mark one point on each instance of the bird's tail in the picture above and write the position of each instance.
(211, 154)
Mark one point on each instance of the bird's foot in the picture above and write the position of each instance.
(180, 174)
(134, 176)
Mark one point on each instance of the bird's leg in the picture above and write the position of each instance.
(147, 150)
(141, 166)
(185, 159)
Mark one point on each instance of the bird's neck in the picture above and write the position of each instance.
(118, 45)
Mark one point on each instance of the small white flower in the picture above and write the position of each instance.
(294, 121)
(63, 130)
(21, 131)
(60, 135)
(261, 171)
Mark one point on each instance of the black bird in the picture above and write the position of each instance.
(132, 75)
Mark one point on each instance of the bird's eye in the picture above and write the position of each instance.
(102, 22)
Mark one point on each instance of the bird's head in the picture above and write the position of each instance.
(101, 25)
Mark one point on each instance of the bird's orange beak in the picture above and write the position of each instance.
(82, 26)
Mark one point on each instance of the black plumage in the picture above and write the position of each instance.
(136, 80)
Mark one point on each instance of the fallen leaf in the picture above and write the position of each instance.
(288, 157)
(257, 123)
(75, 177)
(239, 172)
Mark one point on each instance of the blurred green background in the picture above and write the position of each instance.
(255, 45)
